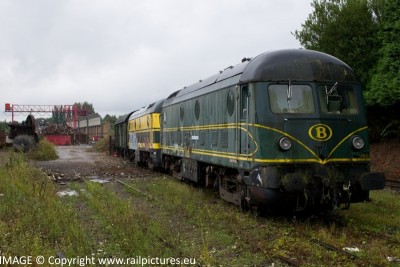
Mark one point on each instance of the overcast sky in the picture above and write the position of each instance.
(120, 55)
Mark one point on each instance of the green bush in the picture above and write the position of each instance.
(102, 145)
(44, 151)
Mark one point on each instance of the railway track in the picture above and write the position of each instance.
(285, 257)
(351, 258)
(162, 239)
(286, 261)
(392, 184)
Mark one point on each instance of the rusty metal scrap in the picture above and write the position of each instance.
(59, 129)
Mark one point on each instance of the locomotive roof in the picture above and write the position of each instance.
(227, 73)
(281, 65)
(152, 108)
(297, 64)
(123, 118)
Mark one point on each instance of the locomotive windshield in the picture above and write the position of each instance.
(298, 99)
(290, 98)
(337, 99)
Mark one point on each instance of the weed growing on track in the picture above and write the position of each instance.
(219, 233)
(380, 218)
(122, 229)
(203, 225)
(381, 214)
(33, 220)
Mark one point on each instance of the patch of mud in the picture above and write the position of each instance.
(80, 164)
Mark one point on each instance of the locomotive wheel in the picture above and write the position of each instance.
(348, 201)
(177, 175)
(150, 164)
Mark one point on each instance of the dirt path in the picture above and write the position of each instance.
(75, 154)
(78, 162)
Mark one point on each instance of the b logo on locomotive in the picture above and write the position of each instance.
(320, 132)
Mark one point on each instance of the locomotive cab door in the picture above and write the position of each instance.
(243, 118)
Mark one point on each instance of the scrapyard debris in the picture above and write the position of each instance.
(23, 135)
(351, 249)
(393, 259)
(67, 192)
(24, 143)
(61, 178)
(100, 181)
(59, 129)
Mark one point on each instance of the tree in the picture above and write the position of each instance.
(346, 29)
(110, 118)
(84, 108)
(4, 126)
(385, 81)
(58, 115)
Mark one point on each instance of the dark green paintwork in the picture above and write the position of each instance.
(220, 139)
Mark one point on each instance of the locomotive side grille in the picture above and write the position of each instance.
(214, 138)
(224, 138)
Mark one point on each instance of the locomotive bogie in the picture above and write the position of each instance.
(311, 184)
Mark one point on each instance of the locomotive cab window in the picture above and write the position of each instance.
(244, 103)
(291, 98)
(230, 103)
(338, 99)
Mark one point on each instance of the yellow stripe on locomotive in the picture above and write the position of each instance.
(144, 135)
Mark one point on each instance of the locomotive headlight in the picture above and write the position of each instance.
(285, 143)
(357, 142)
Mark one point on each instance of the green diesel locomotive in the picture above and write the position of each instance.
(286, 129)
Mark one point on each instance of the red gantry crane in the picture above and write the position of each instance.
(70, 110)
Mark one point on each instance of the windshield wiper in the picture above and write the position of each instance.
(289, 92)
(333, 99)
(330, 92)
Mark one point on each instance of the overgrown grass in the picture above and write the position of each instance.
(203, 225)
(122, 229)
(375, 227)
(219, 233)
(33, 220)
(382, 214)
(174, 219)
(44, 151)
